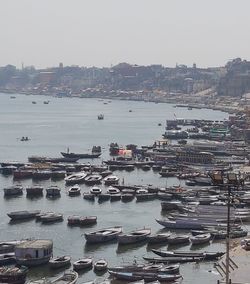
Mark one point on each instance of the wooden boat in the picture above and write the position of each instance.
(113, 190)
(56, 175)
(145, 196)
(53, 190)
(21, 215)
(8, 246)
(83, 263)
(13, 190)
(103, 235)
(88, 196)
(89, 220)
(51, 218)
(69, 277)
(115, 197)
(109, 180)
(7, 258)
(41, 175)
(75, 178)
(158, 238)
(59, 262)
(205, 255)
(153, 268)
(103, 197)
(74, 190)
(126, 197)
(180, 224)
(170, 205)
(172, 259)
(74, 220)
(178, 239)
(34, 190)
(81, 155)
(200, 239)
(164, 196)
(22, 174)
(134, 236)
(100, 265)
(96, 190)
(13, 275)
(93, 179)
(135, 276)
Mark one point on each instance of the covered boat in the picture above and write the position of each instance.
(103, 235)
(53, 190)
(13, 190)
(95, 190)
(34, 190)
(134, 236)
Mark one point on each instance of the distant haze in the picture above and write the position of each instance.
(104, 32)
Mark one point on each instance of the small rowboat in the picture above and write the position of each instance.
(74, 190)
(159, 238)
(134, 236)
(200, 239)
(59, 262)
(100, 265)
(178, 239)
(83, 263)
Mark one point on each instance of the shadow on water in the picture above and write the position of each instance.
(53, 197)
(11, 197)
(15, 222)
(199, 247)
(149, 247)
(92, 247)
(34, 197)
(130, 247)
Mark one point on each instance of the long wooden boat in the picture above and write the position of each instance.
(180, 224)
(178, 239)
(172, 259)
(134, 276)
(134, 236)
(103, 235)
(21, 215)
(81, 155)
(149, 268)
(205, 255)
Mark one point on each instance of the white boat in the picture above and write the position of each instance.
(74, 190)
(96, 190)
(200, 239)
(75, 178)
(83, 263)
(109, 180)
(101, 265)
(113, 190)
(103, 235)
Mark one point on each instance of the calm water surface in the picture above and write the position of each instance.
(73, 123)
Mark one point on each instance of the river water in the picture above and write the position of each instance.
(73, 123)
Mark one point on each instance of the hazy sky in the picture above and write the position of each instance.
(104, 32)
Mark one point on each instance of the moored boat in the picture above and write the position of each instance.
(69, 277)
(109, 180)
(88, 196)
(53, 190)
(51, 218)
(7, 258)
(75, 178)
(88, 220)
(75, 190)
(93, 179)
(158, 238)
(13, 190)
(205, 255)
(134, 236)
(73, 220)
(34, 190)
(83, 263)
(200, 239)
(20, 215)
(100, 265)
(103, 235)
(59, 262)
(96, 190)
(178, 239)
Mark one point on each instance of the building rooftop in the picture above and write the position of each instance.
(36, 244)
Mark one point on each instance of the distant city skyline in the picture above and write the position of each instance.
(102, 33)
